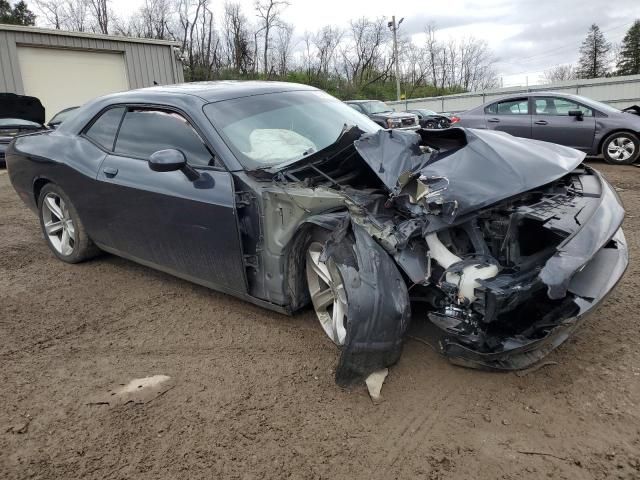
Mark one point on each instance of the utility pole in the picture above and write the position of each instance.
(394, 28)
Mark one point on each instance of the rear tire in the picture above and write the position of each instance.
(62, 228)
(621, 148)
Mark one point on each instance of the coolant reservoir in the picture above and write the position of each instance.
(467, 280)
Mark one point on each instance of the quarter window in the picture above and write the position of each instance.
(518, 106)
(104, 129)
(147, 130)
(559, 106)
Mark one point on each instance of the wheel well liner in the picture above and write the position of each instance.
(296, 283)
(38, 185)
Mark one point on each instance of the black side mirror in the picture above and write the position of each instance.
(171, 160)
(576, 113)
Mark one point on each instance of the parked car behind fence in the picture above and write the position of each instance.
(588, 125)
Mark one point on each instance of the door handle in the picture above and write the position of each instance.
(494, 120)
(541, 122)
(110, 172)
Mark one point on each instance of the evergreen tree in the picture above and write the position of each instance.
(19, 14)
(629, 60)
(593, 54)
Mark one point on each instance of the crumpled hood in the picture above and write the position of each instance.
(22, 107)
(478, 167)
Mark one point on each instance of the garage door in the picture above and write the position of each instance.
(68, 78)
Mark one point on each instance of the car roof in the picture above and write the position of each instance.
(361, 101)
(535, 94)
(214, 91)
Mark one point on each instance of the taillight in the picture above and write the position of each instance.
(455, 119)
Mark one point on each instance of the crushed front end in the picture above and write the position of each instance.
(520, 243)
(551, 255)
(503, 244)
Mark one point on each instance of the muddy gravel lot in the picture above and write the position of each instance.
(254, 395)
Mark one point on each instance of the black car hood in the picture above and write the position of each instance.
(473, 168)
(22, 107)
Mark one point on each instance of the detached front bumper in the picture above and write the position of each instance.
(600, 275)
(585, 269)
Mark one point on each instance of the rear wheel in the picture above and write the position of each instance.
(621, 148)
(430, 124)
(62, 228)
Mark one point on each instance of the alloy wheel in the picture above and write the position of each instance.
(328, 294)
(621, 148)
(58, 224)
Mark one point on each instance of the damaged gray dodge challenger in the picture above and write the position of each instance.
(495, 247)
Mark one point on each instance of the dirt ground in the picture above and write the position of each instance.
(254, 395)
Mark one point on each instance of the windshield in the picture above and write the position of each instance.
(427, 112)
(267, 130)
(376, 106)
(17, 122)
(63, 115)
(602, 107)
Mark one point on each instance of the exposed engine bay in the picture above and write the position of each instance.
(494, 239)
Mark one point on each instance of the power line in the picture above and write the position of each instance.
(552, 51)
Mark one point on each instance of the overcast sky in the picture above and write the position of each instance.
(526, 36)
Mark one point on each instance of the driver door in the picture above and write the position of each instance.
(552, 123)
(163, 219)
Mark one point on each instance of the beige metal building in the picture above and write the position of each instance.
(65, 69)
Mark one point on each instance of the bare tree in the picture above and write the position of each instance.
(52, 11)
(100, 11)
(76, 13)
(465, 64)
(154, 19)
(269, 12)
(326, 41)
(237, 38)
(283, 47)
(560, 73)
(367, 58)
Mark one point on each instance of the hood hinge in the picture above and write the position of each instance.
(250, 261)
(244, 199)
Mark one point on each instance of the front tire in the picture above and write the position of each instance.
(326, 289)
(62, 228)
(621, 148)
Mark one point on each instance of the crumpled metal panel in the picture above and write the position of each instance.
(483, 168)
(574, 253)
(376, 323)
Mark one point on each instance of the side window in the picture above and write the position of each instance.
(356, 107)
(104, 129)
(517, 106)
(559, 106)
(147, 130)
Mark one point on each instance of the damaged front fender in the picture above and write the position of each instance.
(376, 323)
